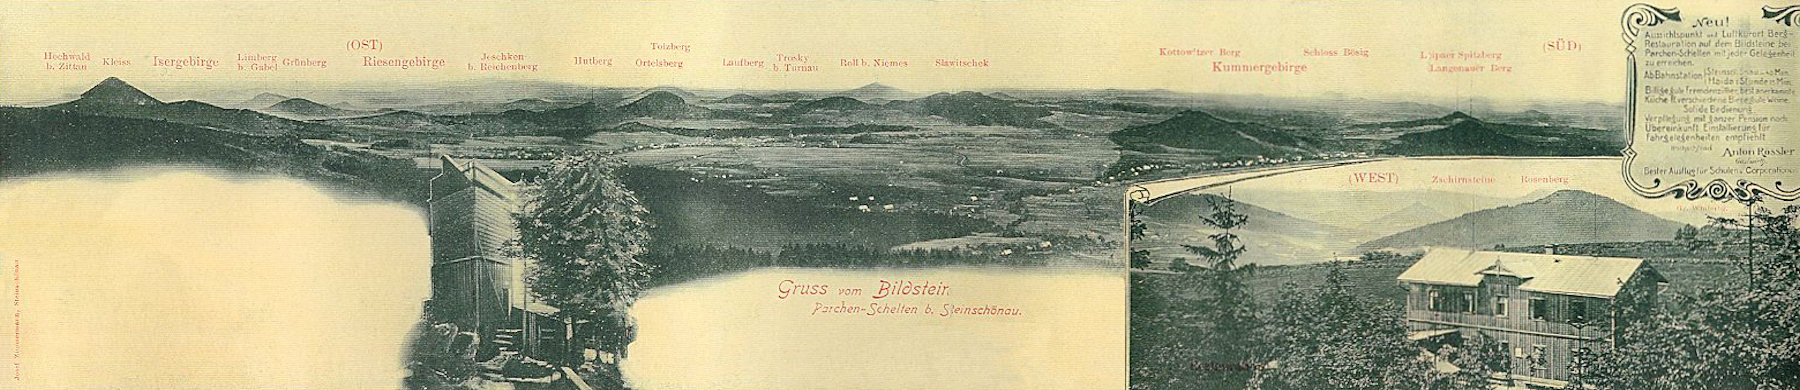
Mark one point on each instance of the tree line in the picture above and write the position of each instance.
(677, 262)
(1200, 329)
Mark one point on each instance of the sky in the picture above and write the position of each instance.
(1416, 179)
(1064, 45)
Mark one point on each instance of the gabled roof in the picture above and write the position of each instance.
(459, 175)
(1558, 274)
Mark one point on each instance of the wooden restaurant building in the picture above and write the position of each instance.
(1539, 308)
(475, 283)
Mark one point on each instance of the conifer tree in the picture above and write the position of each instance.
(585, 237)
(1228, 353)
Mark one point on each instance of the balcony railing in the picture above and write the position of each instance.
(1597, 329)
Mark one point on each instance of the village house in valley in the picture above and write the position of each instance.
(1538, 307)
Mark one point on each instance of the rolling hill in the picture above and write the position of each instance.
(116, 98)
(262, 100)
(1460, 134)
(590, 117)
(975, 108)
(1201, 131)
(834, 103)
(1413, 215)
(402, 119)
(1562, 217)
(1270, 236)
(41, 140)
(302, 109)
(578, 120)
(530, 104)
(663, 105)
(743, 98)
(876, 92)
(788, 96)
(1005, 96)
(682, 93)
(464, 108)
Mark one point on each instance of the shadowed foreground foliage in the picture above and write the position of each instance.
(1202, 328)
(1744, 334)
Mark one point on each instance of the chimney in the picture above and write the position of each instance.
(1550, 249)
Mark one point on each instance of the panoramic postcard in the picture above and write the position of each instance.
(898, 195)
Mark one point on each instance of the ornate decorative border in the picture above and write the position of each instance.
(1786, 16)
(1635, 18)
(1138, 193)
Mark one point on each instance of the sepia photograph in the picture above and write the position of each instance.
(1466, 272)
(838, 194)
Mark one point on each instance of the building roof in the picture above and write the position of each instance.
(538, 308)
(461, 175)
(1548, 273)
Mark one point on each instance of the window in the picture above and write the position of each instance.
(1451, 300)
(1540, 309)
(1577, 310)
(1501, 362)
(1436, 303)
(1538, 359)
(1499, 305)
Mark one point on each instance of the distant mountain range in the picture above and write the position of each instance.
(463, 108)
(42, 140)
(115, 98)
(684, 94)
(968, 108)
(1459, 134)
(743, 98)
(578, 120)
(1455, 134)
(411, 120)
(1271, 236)
(664, 105)
(50, 140)
(588, 118)
(876, 92)
(262, 100)
(302, 109)
(787, 96)
(975, 108)
(1004, 96)
(1415, 214)
(113, 91)
(1562, 217)
(1200, 131)
(1379, 213)
(834, 103)
(1180, 130)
